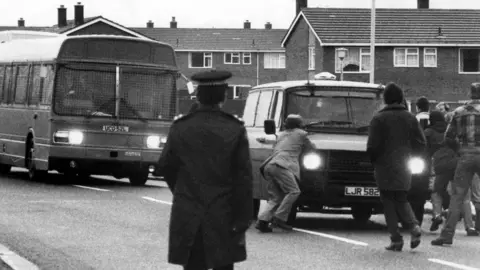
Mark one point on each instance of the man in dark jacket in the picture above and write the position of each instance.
(207, 165)
(395, 138)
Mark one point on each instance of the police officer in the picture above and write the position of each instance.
(207, 166)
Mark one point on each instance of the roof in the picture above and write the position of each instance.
(216, 39)
(45, 49)
(339, 26)
(326, 83)
(98, 19)
(53, 29)
(22, 34)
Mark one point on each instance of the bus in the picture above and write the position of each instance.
(86, 105)
(10, 35)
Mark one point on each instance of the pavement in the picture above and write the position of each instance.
(108, 224)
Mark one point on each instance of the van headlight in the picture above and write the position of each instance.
(155, 141)
(416, 165)
(312, 161)
(69, 137)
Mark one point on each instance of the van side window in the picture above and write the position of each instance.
(277, 110)
(250, 108)
(263, 107)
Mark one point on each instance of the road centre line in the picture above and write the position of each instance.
(92, 188)
(454, 265)
(15, 261)
(346, 240)
(155, 200)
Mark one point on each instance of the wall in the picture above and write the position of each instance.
(297, 52)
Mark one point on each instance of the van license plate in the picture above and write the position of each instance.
(115, 128)
(362, 191)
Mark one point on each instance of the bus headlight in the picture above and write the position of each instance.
(416, 165)
(153, 141)
(312, 161)
(70, 137)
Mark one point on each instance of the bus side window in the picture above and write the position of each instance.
(264, 104)
(21, 84)
(9, 84)
(46, 92)
(35, 83)
(277, 110)
(3, 69)
(250, 109)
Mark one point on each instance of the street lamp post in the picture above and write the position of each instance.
(341, 53)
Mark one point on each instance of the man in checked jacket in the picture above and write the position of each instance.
(464, 130)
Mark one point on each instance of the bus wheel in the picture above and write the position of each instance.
(362, 214)
(139, 179)
(256, 208)
(4, 168)
(33, 173)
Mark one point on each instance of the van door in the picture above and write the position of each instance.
(261, 143)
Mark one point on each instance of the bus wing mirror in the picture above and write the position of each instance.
(190, 88)
(269, 127)
(43, 72)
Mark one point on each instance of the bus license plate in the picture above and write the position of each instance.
(362, 191)
(115, 128)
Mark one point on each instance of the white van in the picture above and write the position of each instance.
(337, 115)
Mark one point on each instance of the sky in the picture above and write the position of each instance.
(193, 13)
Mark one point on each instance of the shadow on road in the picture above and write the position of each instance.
(327, 223)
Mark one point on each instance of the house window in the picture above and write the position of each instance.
(470, 60)
(274, 60)
(200, 60)
(232, 58)
(247, 58)
(356, 60)
(405, 57)
(430, 57)
(311, 58)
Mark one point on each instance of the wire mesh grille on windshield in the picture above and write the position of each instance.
(90, 91)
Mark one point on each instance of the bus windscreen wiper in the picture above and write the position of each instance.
(133, 110)
(328, 122)
(98, 111)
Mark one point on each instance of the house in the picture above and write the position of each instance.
(428, 52)
(254, 56)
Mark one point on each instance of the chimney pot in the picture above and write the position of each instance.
(79, 14)
(150, 24)
(173, 23)
(268, 25)
(423, 4)
(21, 22)
(246, 25)
(301, 4)
(62, 16)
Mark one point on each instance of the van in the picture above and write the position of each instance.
(339, 175)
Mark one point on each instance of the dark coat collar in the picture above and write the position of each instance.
(394, 107)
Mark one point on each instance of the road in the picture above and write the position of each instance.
(108, 224)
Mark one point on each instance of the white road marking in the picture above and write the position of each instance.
(92, 188)
(14, 260)
(346, 240)
(454, 265)
(155, 200)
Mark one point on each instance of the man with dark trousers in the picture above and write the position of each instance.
(206, 163)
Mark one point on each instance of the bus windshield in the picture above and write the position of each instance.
(90, 91)
(339, 108)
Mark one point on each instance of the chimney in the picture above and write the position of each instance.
(268, 25)
(246, 25)
(302, 4)
(423, 4)
(79, 19)
(150, 24)
(173, 23)
(62, 16)
(21, 22)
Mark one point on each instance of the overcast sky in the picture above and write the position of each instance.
(193, 13)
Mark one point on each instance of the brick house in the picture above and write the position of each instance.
(254, 56)
(429, 52)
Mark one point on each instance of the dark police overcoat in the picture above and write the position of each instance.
(206, 162)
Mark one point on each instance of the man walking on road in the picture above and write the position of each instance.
(206, 163)
(395, 136)
(463, 130)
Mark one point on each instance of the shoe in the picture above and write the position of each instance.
(276, 222)
(263, 226)
(472, 232)
(441, 241)
(415, 236)
(436, 222)
(395, 246)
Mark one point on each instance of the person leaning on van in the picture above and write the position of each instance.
(282, 171)
(394, 137)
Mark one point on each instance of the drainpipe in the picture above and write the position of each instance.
(258, 67)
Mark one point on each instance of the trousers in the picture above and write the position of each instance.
(466, 212)
(397, 208)
(283, 192)
(197, 256)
